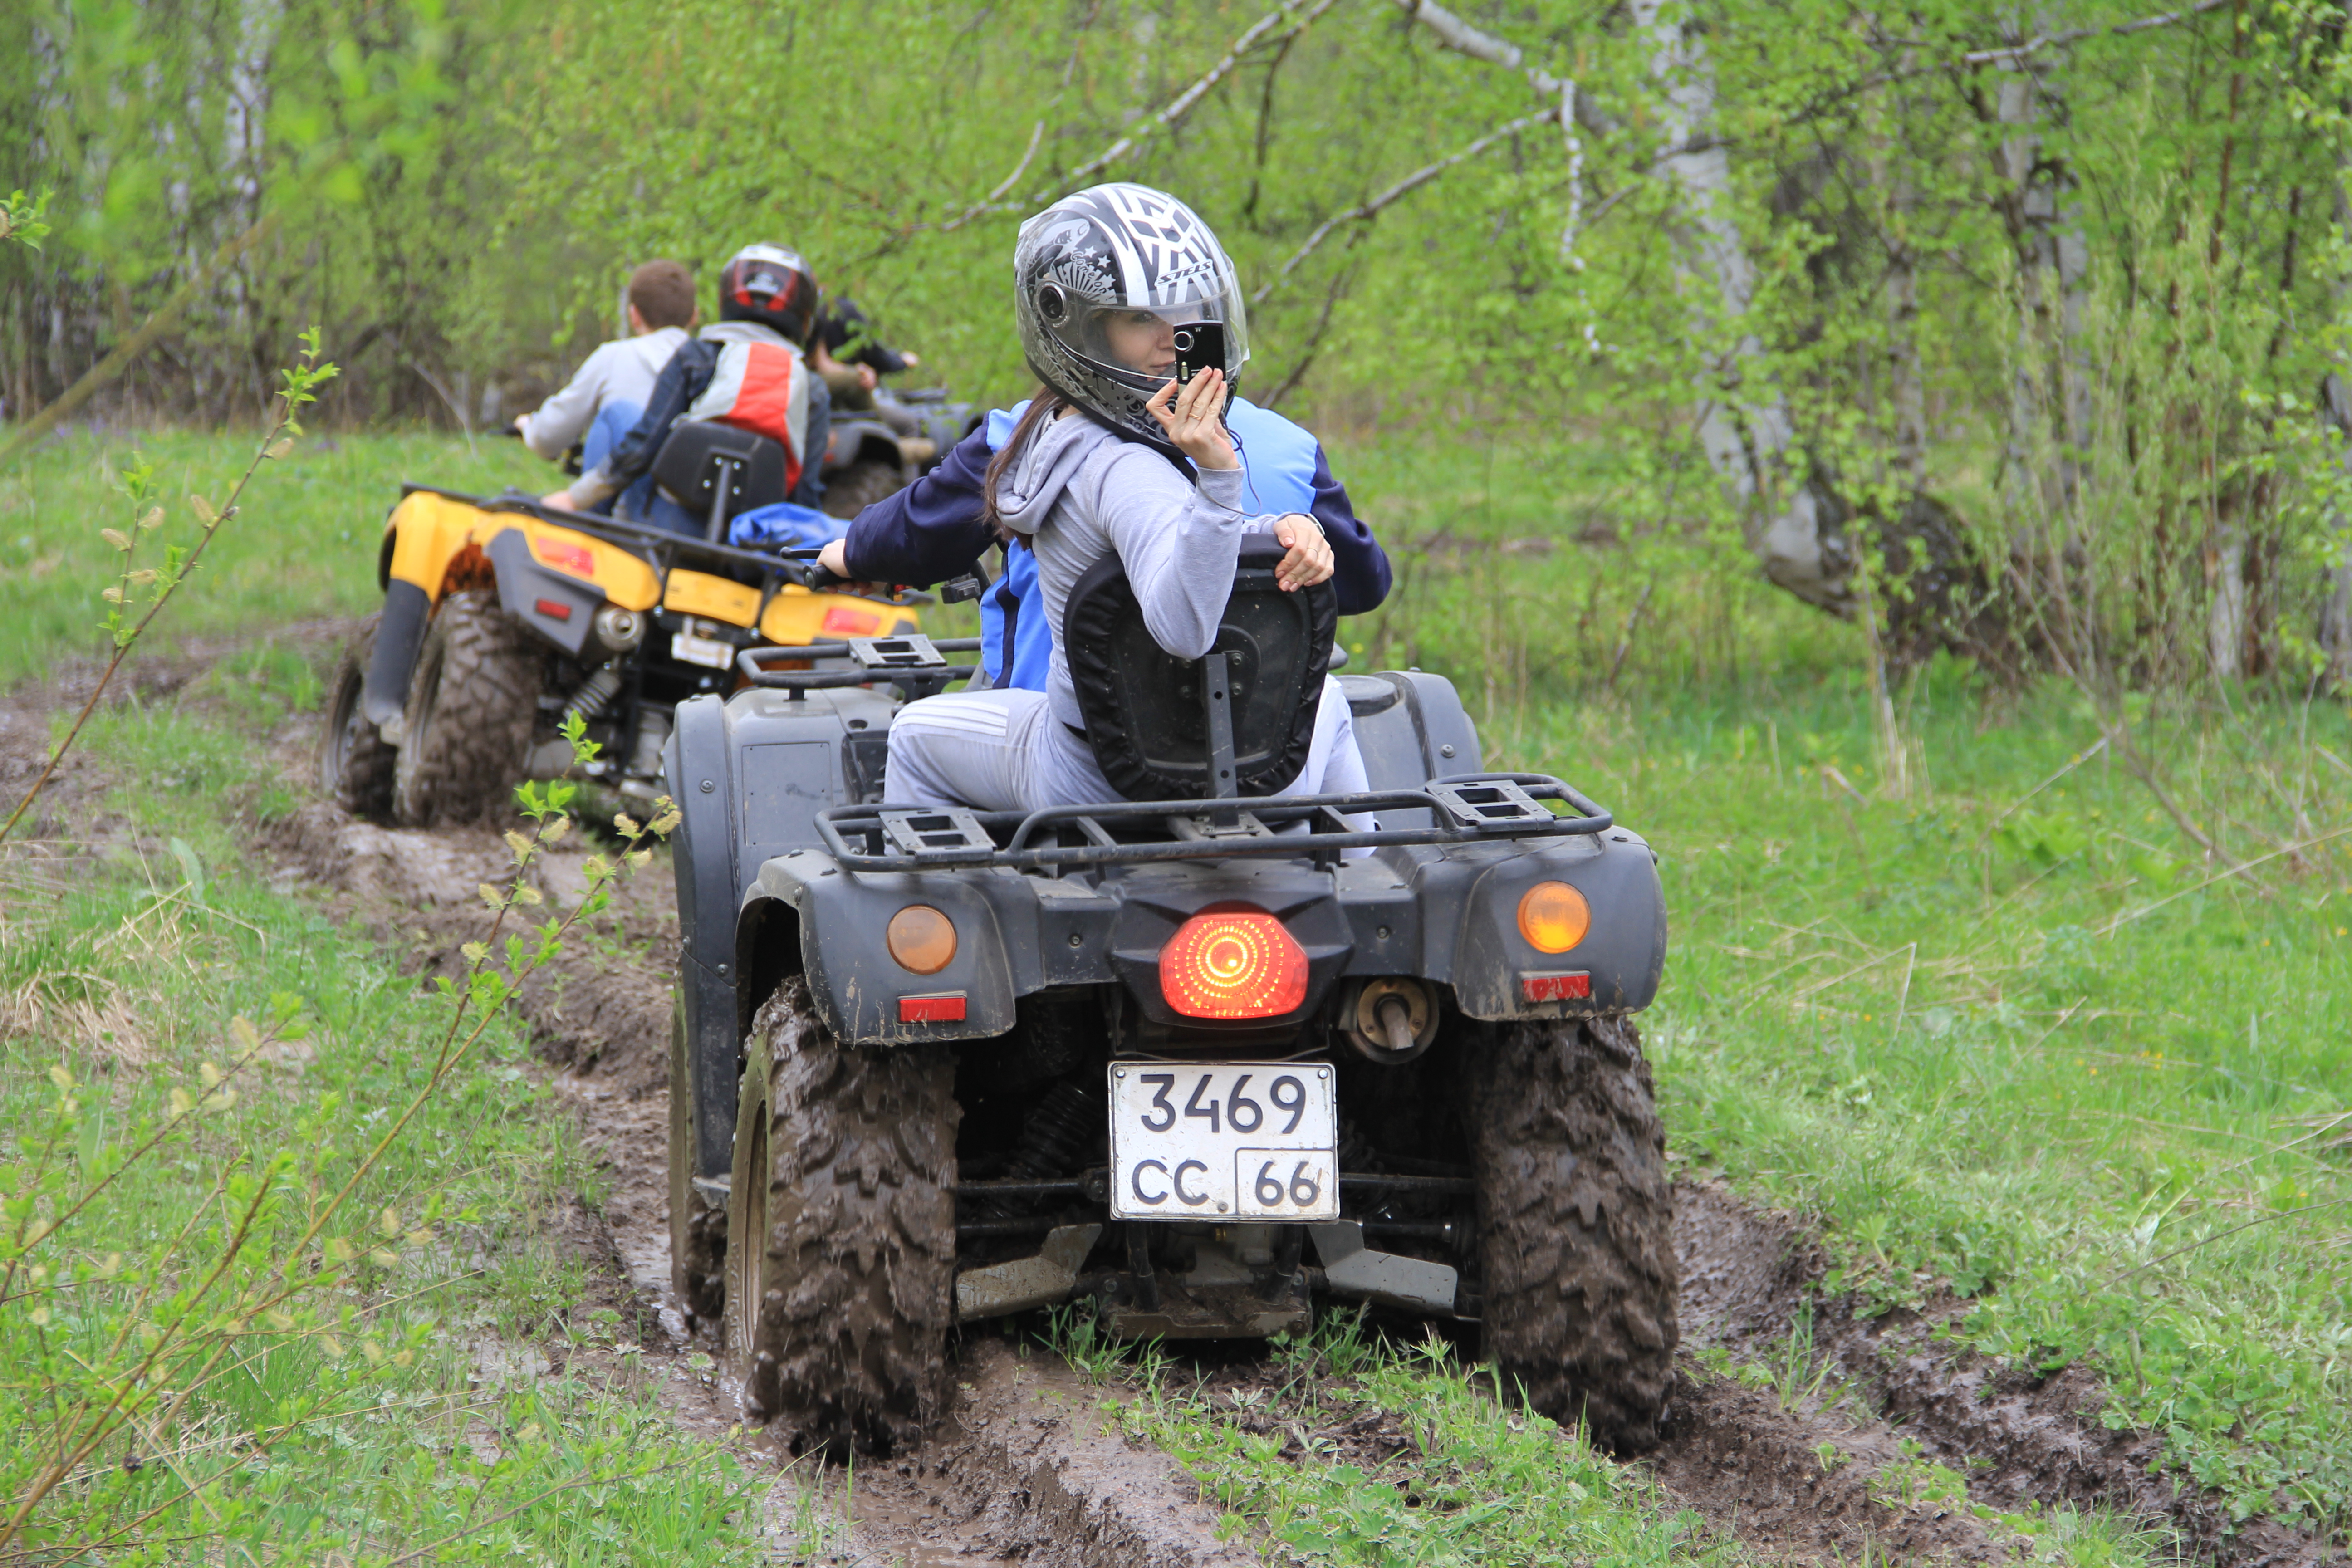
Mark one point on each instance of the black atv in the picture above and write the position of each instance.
(1196, 1059)
(874, 453)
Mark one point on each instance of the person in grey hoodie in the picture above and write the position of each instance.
(1114, 456)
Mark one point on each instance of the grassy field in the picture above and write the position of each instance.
(2008, 1037)
(328, 1339)
(306, 546)
(2003, 1030)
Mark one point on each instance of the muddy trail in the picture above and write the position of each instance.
(1861, 1447)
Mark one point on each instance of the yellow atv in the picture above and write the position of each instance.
(501, 615)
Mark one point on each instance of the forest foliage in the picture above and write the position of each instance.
(2007, 329)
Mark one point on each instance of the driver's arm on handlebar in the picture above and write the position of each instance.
(928, 532)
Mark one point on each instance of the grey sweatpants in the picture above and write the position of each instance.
(1003, 751)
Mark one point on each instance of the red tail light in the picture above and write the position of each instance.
(1230, 962)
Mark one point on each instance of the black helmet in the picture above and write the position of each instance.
(770, 285)
(1112, 250)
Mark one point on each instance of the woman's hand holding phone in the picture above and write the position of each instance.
(1193, 412)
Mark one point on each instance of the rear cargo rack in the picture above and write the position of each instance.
(1466, 809)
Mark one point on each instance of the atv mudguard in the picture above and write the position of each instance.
(554, 579)
(749, 775)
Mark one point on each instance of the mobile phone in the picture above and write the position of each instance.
(1200, 345)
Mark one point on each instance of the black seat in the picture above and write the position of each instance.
(718, 471)
(1236, 723)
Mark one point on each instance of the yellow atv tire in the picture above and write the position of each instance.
(356, 763)
(471, 707)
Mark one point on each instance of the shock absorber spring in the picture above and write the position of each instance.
(1056, 1135)
(601, 687)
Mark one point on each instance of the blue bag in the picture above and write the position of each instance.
(784, 526)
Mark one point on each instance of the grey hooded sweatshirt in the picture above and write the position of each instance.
(1081, 492)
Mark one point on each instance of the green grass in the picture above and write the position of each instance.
(2038, 1055)
(304, 546)
(1476, 1483)
(364, 1416)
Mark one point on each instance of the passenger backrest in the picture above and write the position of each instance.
(1151, 718)
(717, 471)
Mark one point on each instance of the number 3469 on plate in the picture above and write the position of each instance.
(1223, 1141)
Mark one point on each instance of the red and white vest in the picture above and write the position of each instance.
(762, 388)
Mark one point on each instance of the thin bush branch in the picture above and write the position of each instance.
(137, 343)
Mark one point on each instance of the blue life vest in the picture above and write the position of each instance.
(1277, 476)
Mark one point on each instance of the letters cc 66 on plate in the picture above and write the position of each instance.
(1223, 1141)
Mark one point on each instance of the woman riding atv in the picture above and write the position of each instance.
(1114, 456)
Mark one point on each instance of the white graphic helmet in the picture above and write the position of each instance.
(1112, 250)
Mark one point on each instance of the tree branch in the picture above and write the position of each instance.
(1394, 193)
(131, 348)
(1464, 39)
(1175, 109)
(2076, 35)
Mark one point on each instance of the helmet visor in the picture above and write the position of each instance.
(1149, 340)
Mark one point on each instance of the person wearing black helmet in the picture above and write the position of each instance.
(1115, 455)
(746, 370)
(851, 358)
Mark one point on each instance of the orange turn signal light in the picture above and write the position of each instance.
(922, 939)
(1231, 963)
(1554, 917)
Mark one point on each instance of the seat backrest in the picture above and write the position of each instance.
(1151, 718)
(699, 455)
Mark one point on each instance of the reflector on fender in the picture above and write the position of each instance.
(1233, 962)
(947, 1008)
(554, 610)
(1559, 986)
(1554, 917)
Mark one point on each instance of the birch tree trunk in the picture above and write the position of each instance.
(1746, 433)
(2050, 395)
(2336, 404)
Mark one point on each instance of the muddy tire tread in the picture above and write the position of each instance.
(470, 713)
(850, 1337)
(361, 781)
(1575, 1216)
(860, 485)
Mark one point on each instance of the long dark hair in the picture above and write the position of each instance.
(1044, 404)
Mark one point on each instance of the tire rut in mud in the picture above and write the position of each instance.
(1735, 1454)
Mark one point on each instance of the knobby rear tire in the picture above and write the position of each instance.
(841, 1253)
(860, 484)
(356, 763)
(1575, 1216)
(471, 708)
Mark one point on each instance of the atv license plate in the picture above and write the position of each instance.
(690, 649)
(1224, 1140)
